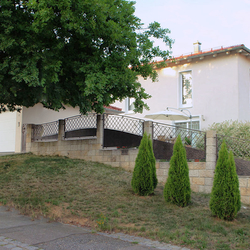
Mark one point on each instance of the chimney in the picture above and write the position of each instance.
(197, 47)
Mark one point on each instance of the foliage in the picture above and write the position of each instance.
(84, 53)
(142, 180)
(236, 135)
(152, 160)
(177, 188)
(232, 128)
(225, 197)
(188, 141)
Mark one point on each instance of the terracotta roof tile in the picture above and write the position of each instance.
(112, 107)
(202, 52)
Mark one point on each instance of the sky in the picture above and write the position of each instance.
(214, 23)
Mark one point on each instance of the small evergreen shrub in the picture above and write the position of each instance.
(225, 197)
(177, 188)
(142, 180)
(152, 160)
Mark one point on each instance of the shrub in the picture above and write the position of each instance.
(231, 128)
(152, 160)
(235, 129)
(142, 180)
(225, 197)
(177, 188)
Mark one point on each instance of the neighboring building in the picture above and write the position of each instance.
(214, 85)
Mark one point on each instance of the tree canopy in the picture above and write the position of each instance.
(85, 53)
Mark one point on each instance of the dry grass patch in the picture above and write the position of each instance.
(99, 196)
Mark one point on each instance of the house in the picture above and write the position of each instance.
(11, 123)
(214, 85)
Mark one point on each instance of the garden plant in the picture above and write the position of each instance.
(177, 188)
(152, 160)
(225, 197)
(144, 178)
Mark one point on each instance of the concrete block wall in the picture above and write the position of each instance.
(201, 180)
(200, 173)
(87, 149)
(244, 182)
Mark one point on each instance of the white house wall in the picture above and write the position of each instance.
(215, 89)
(18, 138)
(38, 114)
(8, 131)
(244, 90)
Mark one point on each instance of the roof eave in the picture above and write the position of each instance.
(205, 54)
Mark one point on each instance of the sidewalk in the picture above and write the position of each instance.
(18, 232)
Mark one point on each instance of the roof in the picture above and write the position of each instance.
(241, 49)
(112, 109)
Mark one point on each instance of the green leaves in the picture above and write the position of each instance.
(82, 53)
(177, 188)
(144, 179)
(225, 197)
(238, 129)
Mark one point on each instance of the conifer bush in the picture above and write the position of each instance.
(177, 188)
(225, 197)
(152, 160)
(142, 180)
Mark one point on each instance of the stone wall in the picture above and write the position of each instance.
(201, 180)
(201, 173)
(87, 149)
(245, 189)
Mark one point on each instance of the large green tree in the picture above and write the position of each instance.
(85, 53)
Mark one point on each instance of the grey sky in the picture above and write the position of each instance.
(213, 22)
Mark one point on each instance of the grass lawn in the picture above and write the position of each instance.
(97, 195)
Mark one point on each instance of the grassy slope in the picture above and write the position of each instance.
(97, 195)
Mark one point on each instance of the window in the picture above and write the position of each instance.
(186, 88)
(189, 137)
(195, 125)
(129, 105)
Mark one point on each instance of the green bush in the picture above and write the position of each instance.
(152, 160)
(231, 128)
(235, 129)
(177, 188)
(142, 180)
(225, 197)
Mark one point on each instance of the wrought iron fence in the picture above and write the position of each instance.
(81, 126)
(241, 151)
(45, 131)
(80, 122)
(239, 147)
(124, 123)
(190, 137)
